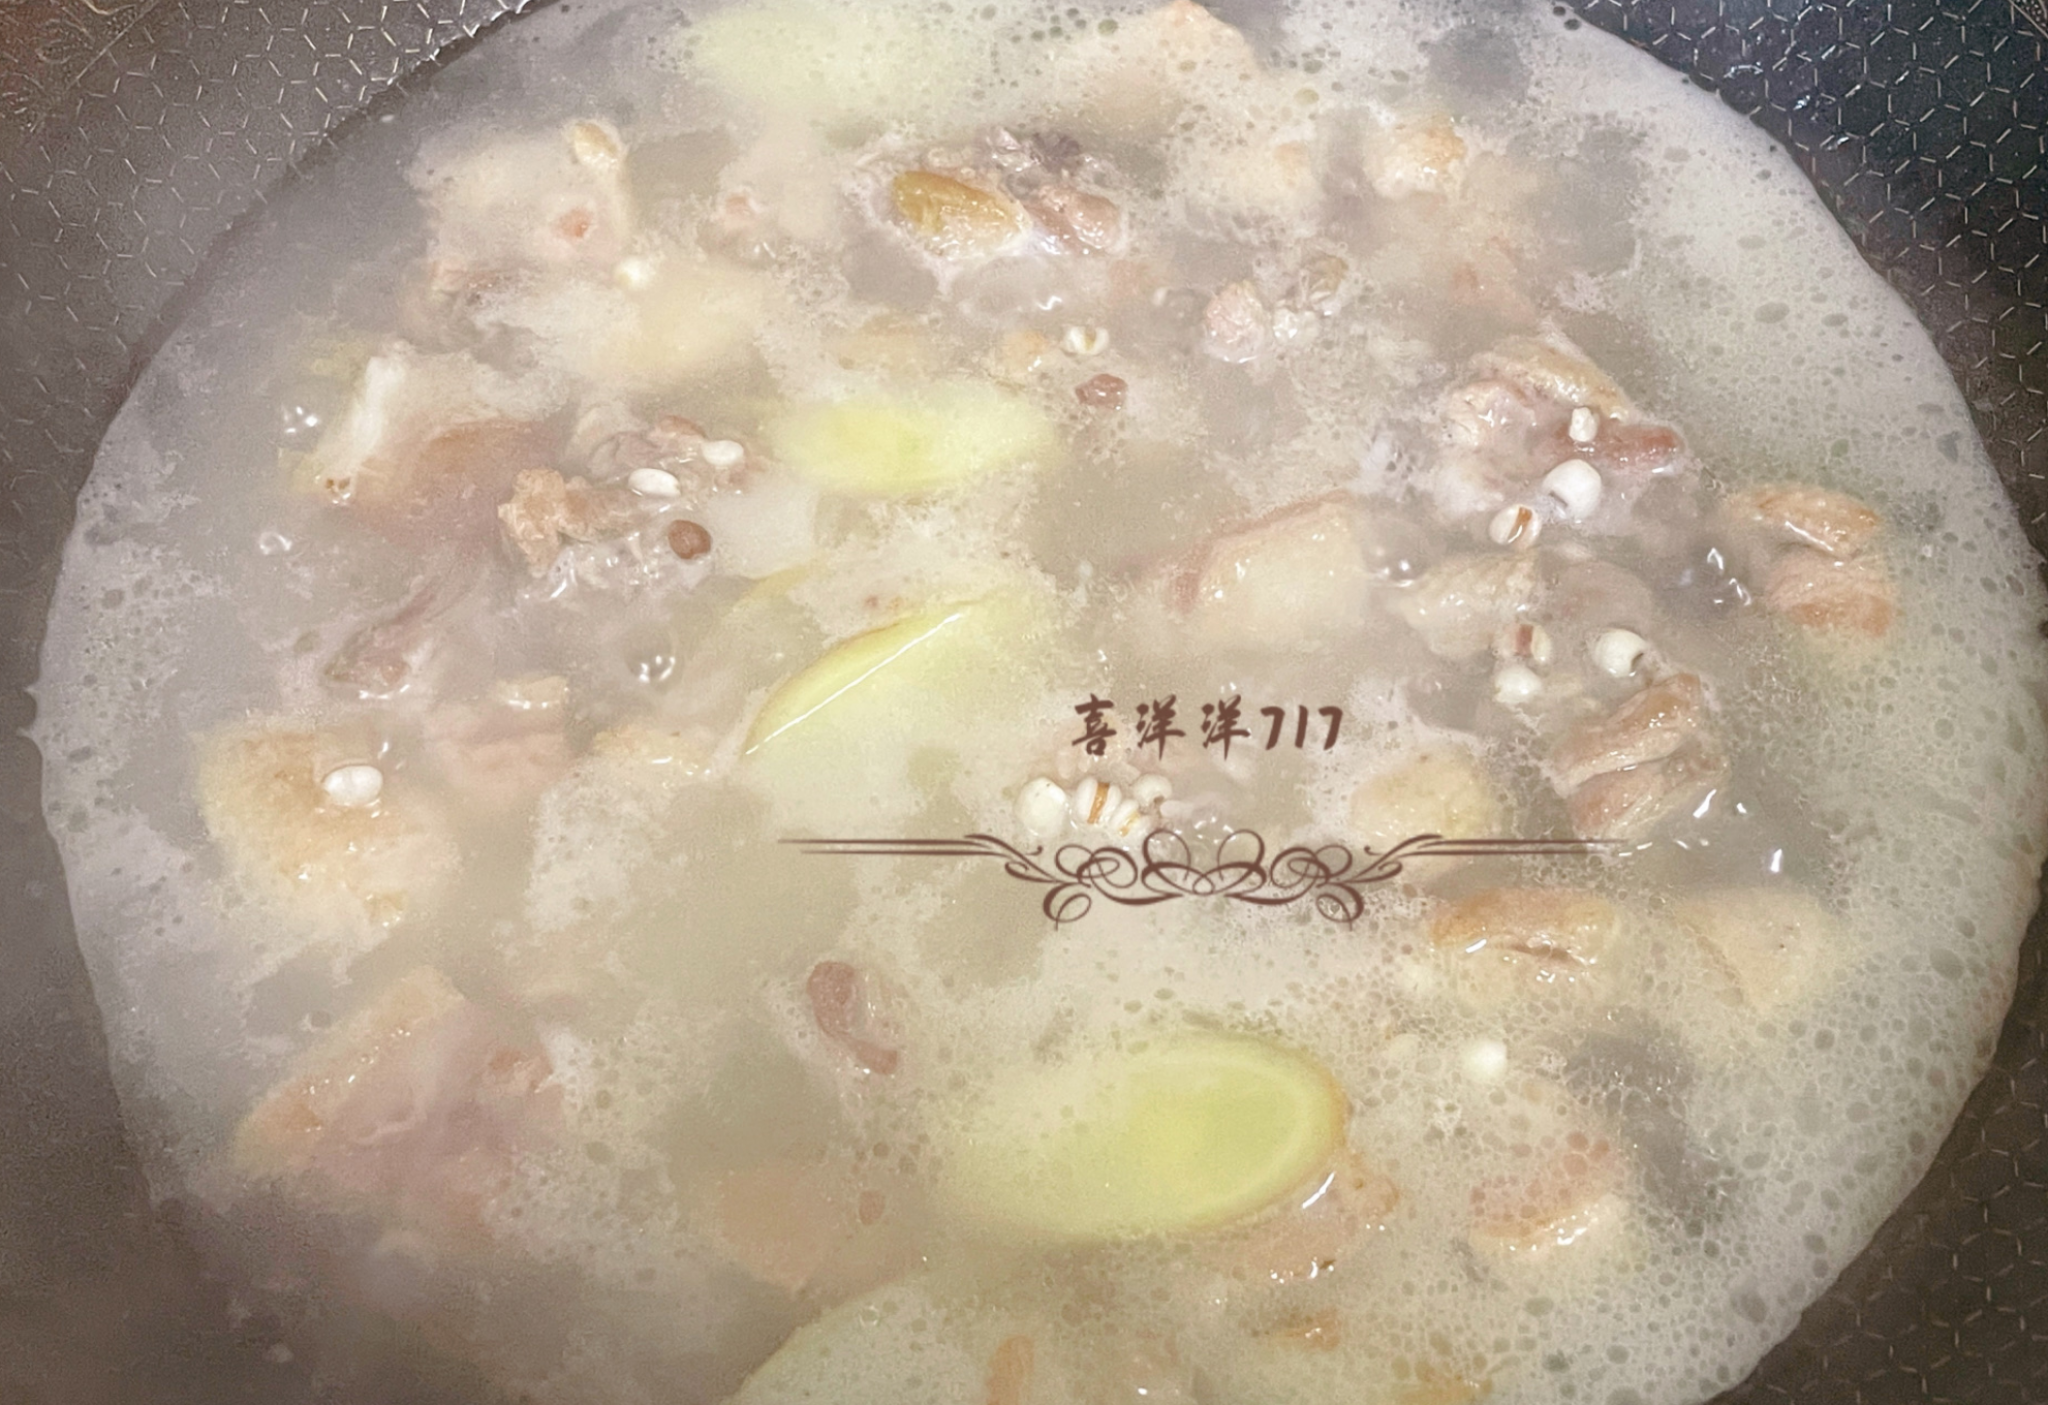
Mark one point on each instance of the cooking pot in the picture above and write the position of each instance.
(135, 134)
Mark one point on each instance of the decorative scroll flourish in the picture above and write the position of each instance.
(1331, 876)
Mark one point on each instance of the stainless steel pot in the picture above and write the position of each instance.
(134, 134)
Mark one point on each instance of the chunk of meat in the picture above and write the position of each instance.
(844, 1014)
(1508, 429)
(496, 757)
(1593, 596)
(1775, 943)
(1818, 554)
(676, 318)
(419, 1104)
(1321, 282)
(741, 226)
(1853, 598)
(1010, 1368)
(1236, 325)
(1627, 452)
(1651, 757)
(1507, 939)
(427, 440)
(460, 471)
(1458, 605)
(545, 511)
(1190, 33)
(1076, 221)
(1021, 355)
(1554, 368)
(1488, 275)
(1630, 803)
(1295, 577)
(1417, 158)
(1439, 790)
(1308, 1237)
(1649, 726)
(1493, 413)
(1571, 1196)
(1489, 430)
(1799, 514)
(366, 866)
(678, 446)
(530, 205)
(384, 658)
(1034, 158)
(953, 218)
(823, 1228)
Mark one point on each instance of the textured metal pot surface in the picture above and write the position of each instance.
(135, 133)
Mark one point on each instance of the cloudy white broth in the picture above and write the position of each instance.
(1155, 432)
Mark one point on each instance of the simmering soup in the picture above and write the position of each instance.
(1017, 703)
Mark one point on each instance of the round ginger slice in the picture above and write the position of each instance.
(1189, 1133)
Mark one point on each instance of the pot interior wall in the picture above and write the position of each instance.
(134, 134)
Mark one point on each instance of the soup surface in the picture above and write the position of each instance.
(1416, 719)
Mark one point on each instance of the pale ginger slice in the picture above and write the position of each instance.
(943, 436)
(1189, 1133)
